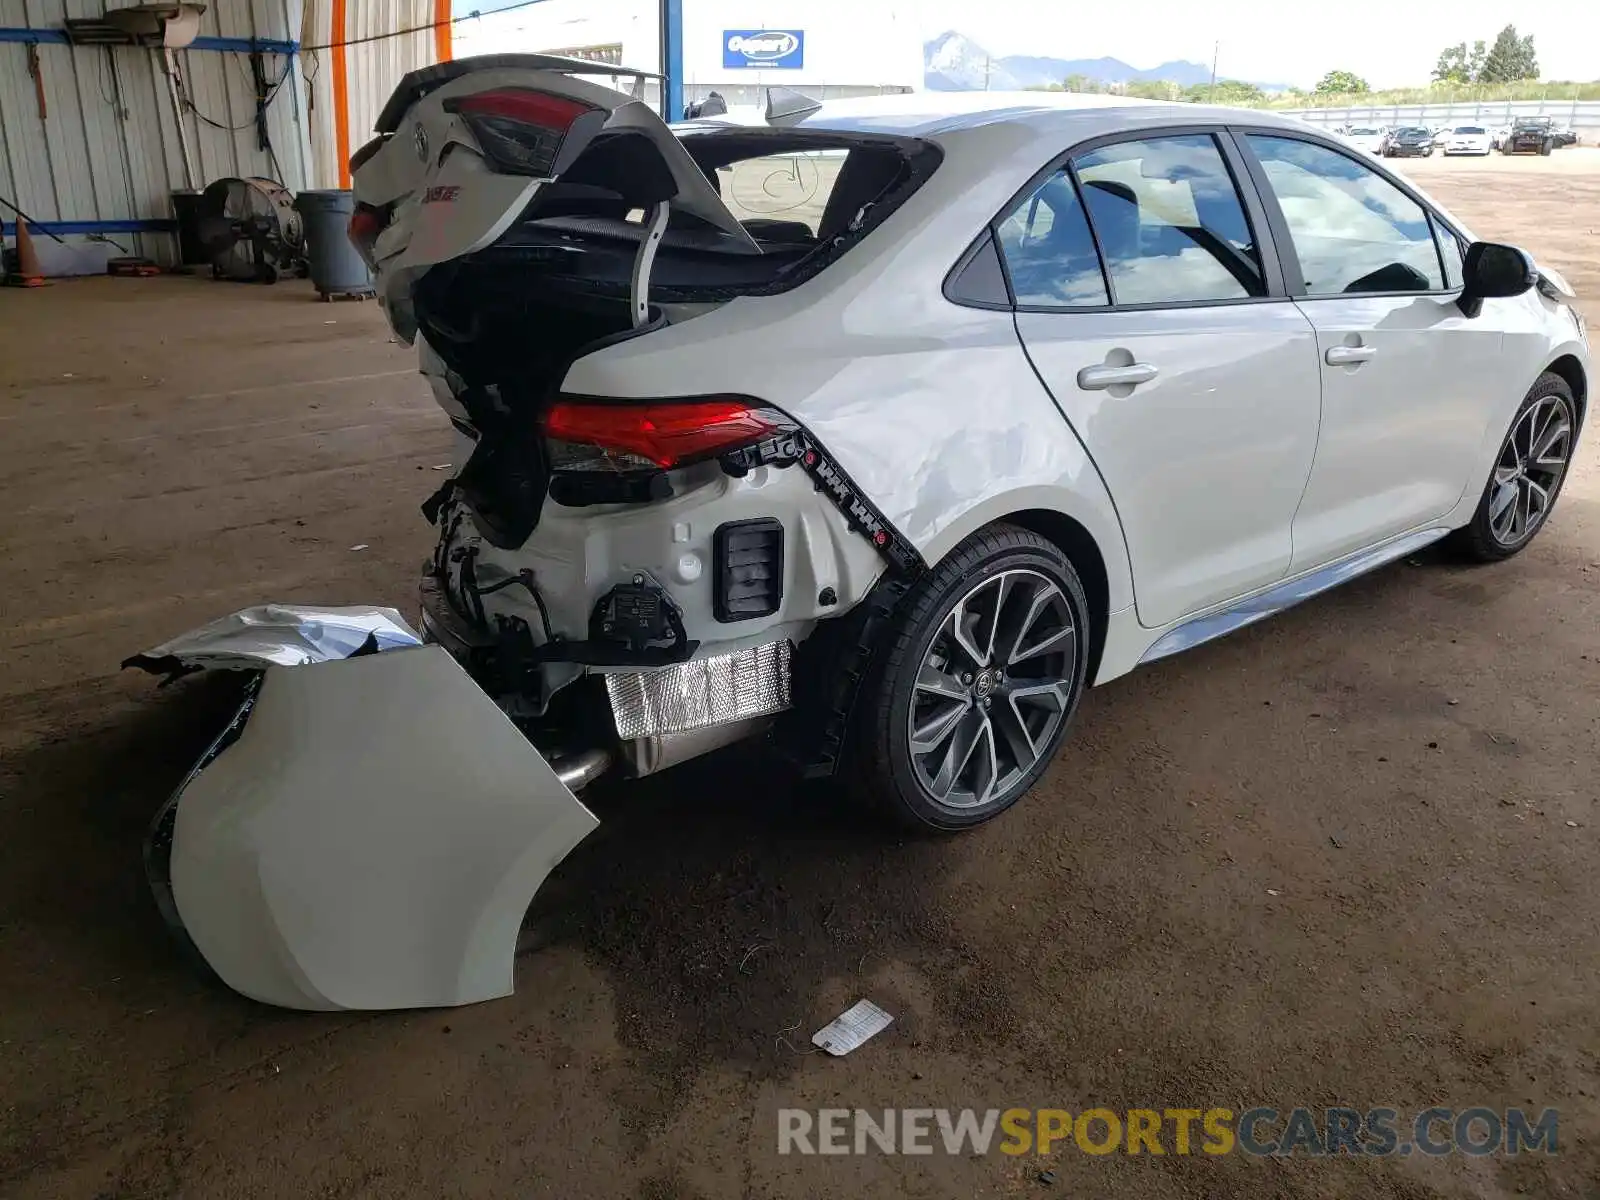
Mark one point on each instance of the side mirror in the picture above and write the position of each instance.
(1491, 269)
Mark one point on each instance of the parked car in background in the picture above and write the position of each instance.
(1566, 136)
(1366, 137)
(1467, 139)
(1410, 142)
(1530, 135)
(1498, 135)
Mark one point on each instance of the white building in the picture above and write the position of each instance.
(826, 48)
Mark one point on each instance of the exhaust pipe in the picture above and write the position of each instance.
(578, 771)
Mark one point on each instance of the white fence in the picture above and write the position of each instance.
(1582, 115)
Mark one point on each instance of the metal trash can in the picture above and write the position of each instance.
(336, 268)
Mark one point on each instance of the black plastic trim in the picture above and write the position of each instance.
(725, 606)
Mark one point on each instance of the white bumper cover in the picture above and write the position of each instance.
(370, 840)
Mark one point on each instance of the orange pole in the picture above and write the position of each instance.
(443, 51)
(341, 92)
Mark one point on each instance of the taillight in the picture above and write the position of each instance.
(522, 131)
(366, 223)
(619, 436)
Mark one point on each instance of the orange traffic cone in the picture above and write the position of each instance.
(27, 273)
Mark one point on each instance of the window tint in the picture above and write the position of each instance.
(1048, 250)
(1353, 230)
(1170, 222)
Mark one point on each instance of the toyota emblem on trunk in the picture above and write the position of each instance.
(421, 136)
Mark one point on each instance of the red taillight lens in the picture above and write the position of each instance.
(612, 436)
(521, 131)
(366, 223)
(519, 104)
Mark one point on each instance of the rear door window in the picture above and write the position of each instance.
(1354, 231)
(1170, 222)
(1049, 251)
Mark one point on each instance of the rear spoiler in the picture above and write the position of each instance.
(417, 84)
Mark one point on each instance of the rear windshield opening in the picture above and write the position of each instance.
(799, 194)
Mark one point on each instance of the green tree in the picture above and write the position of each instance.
(1459, 65)
(1224, 91)
(1510, 59)
(1341, 83)
(1082, 83)
(1153, 89)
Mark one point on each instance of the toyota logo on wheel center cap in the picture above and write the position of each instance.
(984, 684)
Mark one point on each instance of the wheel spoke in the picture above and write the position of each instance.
(990, 763)
(1542, 455)
(963, 741)
(1008, 718)
(1538, 501)
(963, 637)
(1052, 643)
(1050, 693)
(927, 737)
(1504, 497)
(1001, 589)
(935, 682)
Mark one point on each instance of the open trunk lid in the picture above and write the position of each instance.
(463, 148)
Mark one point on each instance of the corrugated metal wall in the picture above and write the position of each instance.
(371, 69)
(107, 147)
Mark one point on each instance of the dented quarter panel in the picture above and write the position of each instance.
(870, 356)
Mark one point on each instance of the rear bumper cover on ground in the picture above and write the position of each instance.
(365, 834)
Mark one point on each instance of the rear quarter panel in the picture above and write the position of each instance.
(932, 408)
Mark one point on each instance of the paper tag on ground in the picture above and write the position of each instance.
(852, 1027)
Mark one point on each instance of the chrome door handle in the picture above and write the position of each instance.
(1094, 379)
(1347, 356)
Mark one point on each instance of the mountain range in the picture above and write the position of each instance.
(953, 62)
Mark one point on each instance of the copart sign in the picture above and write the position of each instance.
(782, 49)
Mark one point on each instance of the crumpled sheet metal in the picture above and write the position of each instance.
(279, 635)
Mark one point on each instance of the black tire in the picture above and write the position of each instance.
(879, 762)
(1546, 147)
(1478, 541)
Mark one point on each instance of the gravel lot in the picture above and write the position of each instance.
(1347, 856)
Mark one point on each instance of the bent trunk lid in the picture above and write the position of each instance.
(445, 190)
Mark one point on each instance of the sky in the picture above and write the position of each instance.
(1391, 43)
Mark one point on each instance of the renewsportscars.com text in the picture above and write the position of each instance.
(1263, 1132)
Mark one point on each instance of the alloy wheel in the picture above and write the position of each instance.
(993, 689)
(1530, 469)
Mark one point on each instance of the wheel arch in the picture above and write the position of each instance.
(1078, 544)
(1570, 369)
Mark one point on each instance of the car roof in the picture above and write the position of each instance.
(930, 114)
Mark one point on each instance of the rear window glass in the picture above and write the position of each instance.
(808, 193)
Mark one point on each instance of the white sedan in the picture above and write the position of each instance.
(1466, 139)
(1367, 137)
(1010, 395)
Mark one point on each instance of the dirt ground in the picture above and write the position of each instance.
(1344, 857)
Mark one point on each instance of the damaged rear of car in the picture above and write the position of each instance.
(619, 583)
(639, 566)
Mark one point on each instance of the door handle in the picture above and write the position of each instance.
(1348, 356)
(1095, 379)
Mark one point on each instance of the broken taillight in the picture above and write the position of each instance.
(366, 223)
(522, 131)
(614, 436)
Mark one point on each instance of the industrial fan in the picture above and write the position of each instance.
(251, 231)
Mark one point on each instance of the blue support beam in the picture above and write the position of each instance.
(69, 228)
(236, 45)
(672, 60)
